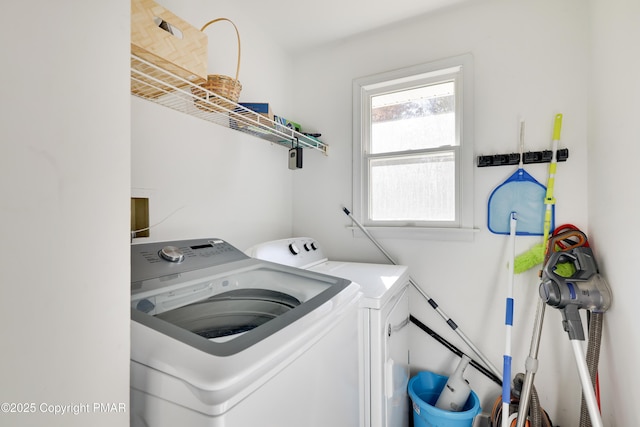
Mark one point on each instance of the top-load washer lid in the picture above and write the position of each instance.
(211, 296)
(379, 282)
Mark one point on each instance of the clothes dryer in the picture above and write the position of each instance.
(384, 319)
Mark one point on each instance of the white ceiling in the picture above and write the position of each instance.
(300, 24)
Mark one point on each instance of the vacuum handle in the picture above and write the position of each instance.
(582, 259)
(565, 239)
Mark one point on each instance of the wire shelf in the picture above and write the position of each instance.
(155, 84)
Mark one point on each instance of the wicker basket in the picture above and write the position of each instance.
(223, 86)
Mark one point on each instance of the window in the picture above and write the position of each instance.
(413, 155)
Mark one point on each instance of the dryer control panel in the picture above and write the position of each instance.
(300, 252)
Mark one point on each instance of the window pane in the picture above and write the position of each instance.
(416, 188)
(413, 119)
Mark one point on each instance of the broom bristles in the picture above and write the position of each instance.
(527, 260)
(535, 256)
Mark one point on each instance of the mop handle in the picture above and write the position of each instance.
(430, 300)
(587, 385)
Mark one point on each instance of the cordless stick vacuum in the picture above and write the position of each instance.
(585, 289)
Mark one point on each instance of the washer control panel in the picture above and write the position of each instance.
(159, 259)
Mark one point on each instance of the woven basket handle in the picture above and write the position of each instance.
(237, 33)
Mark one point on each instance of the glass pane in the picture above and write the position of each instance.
(413, 119)
(416, 188)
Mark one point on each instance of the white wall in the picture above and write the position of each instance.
(529, 62)
(64, 209)
(613, 203)
(204, 180)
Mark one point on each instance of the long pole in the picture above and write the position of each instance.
(508, 321)
(531, 365)
(455, 350)
(532, 360)
(430, 300)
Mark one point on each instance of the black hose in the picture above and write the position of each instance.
(455, 350)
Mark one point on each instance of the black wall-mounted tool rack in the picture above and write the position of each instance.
(529, 157)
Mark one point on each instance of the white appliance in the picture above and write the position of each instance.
(219, 339)
(384, 319)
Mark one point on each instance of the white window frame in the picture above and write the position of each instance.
(458, 69)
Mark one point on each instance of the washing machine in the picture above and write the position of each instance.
(219, 339)
(384, 319)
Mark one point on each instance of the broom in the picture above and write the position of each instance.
(535, 255)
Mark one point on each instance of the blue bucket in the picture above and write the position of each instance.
(424, 389)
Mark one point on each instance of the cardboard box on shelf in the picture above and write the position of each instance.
(167, 41)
